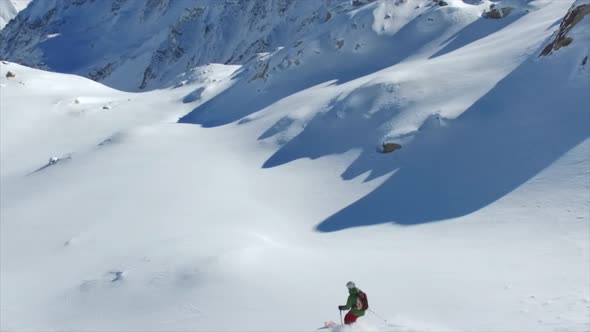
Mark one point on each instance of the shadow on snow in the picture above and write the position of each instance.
(447, 170)
(494, 147)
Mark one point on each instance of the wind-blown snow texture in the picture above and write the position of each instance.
(246, 186)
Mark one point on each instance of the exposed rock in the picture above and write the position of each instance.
(10, 74)
(358, 3)
(52, 162)
(175, 45)
(117, 5)
(154, 6)
(106, 141)
(101, 73)
(78, 2)
(262, 72)
(497, 13)
(116, 275)
(148, 75)
(390, 147)
(573, 16)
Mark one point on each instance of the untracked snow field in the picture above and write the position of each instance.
(219, 204)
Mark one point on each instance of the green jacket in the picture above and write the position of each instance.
(352, 302)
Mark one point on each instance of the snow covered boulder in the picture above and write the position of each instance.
(497, 13)
(573, 17)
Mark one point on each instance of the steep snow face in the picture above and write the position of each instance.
(9, 9)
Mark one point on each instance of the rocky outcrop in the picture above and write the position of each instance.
(573, 17)
(358, 3)
(116, 6)
(102, 73)
(176, 44)
(390, 147)
(497, 13)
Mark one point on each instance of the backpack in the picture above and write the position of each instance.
(362, 302)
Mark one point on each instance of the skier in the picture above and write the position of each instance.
(357, 303)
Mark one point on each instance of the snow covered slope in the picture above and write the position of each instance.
(244, 196)
(9, 9)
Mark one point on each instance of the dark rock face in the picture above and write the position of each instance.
(574, 15)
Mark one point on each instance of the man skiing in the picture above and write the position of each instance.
(357, 303)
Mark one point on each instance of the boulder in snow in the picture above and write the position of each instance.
(10, 74)
(390, 147)
(116, 275)
(497, 13)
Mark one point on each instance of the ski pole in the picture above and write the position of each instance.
(341, 322)
(374, 313)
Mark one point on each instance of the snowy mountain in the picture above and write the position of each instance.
(9, 9)
(162, 38)
(223, 167)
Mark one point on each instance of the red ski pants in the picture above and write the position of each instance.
(350, 318)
